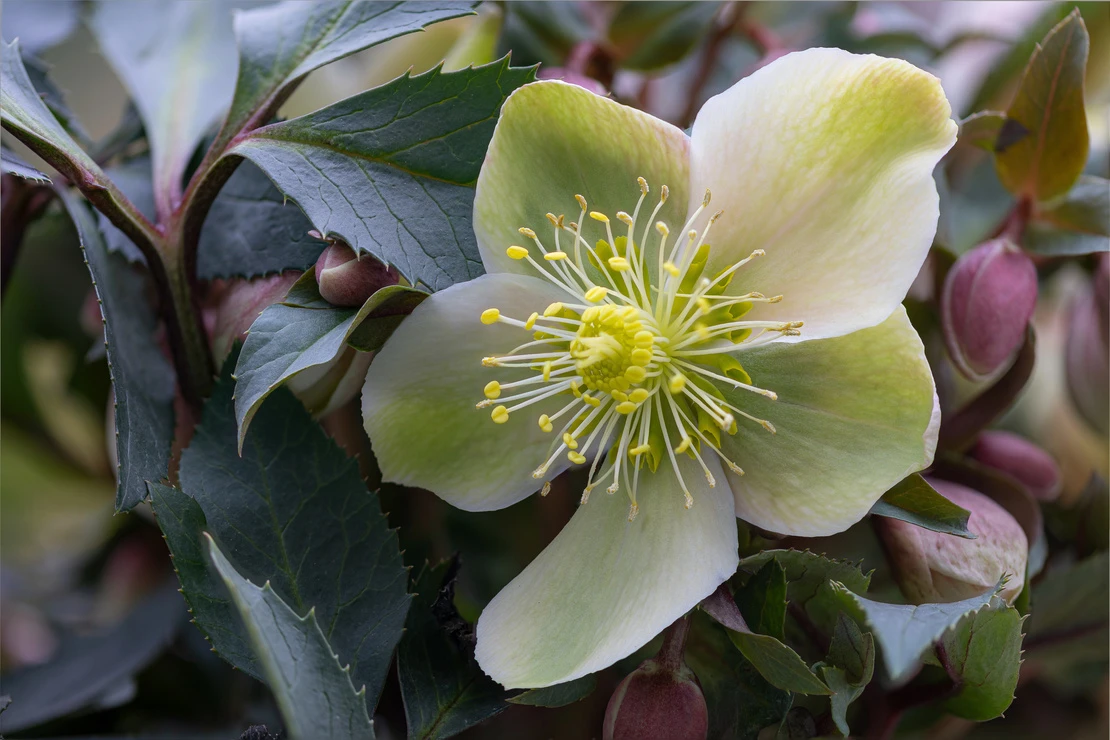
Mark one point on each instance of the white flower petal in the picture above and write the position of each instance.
(604, 587)
(824, 159)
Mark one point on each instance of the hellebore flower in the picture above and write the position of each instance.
(773, 376)
(932, 567)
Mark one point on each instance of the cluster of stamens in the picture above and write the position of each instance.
(637, 361)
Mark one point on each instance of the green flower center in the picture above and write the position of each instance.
(637, 349)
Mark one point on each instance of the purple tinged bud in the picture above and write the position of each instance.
(348, 279)
(231, 306)
(1087, 352)
(1022, 460)
(660, 700)
(989, 296)
(932, 568)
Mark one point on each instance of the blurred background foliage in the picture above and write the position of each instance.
(69, 567)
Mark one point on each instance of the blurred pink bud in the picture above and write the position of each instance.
(348, 279)
(989, 296)
(232, 306)
(931, 567)
(660, 700)
(1019, 458)
(1087, 354)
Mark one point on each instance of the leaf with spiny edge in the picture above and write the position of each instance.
(808, 578)
(984, 652)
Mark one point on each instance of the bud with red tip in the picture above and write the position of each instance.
(931, 567)
(660, 700)
(348, 279)
(1022, 460)
(989, 296)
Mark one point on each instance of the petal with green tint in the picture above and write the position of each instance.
(854, 415)
(606, 586)
(824, 159)
(555, 140)
(418, 401)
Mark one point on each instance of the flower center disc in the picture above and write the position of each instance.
(612, 349)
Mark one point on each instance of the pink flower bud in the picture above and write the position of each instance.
(231, 306)
(931, 567)
(1087, 353)
(989, 296)
(348, 279)
(1019, 458)
(660, 700)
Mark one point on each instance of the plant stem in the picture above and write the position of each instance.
(671, 655)
(727, 21)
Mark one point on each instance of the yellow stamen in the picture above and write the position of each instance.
(576, 458)
(492, 389)
(555, 256)
(516, 253)
(596, 293)
(500, 415)
(490, 316)
(545, 423)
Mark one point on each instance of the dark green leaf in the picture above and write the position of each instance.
(444, 689)
(133, 179)
(984, 651)
(808, 577)
(390, 171)
(848, 668)
(314, 691)
(798, 724)
(905, 632)
(182, 523)
(913, 500)
(1077, 224)
(981, 129)
(84, 668)
(280, 44)
(390, 306)
(740, 701)
(287, 339)
(252, 231)
(177, 60)
(543, 32)
(1046, 162)
(141, 375)
(558, 695)
(13, 165)
(654, 35)
(1070, 600)
(762, 601)
(294, 511)
(778, 663)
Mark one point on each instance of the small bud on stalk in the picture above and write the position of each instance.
(348, 279)
(660, 700)
(989, 296)
(1022, 460)
(931, 567)
(1087, 353)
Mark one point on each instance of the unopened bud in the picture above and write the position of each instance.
(1087, 353)
(660, 700)
(231, 306)
(348, 279)
(989, 296)
(931, 567)
(1022, 460)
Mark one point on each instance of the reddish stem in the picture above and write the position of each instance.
(671, 655)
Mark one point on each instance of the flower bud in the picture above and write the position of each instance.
(660, 700)
(1087, 352)
(1022, 460)
(348, 279)
(931, 567)
(988, 298)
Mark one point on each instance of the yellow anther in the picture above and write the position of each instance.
(775, 299)
(598, 216)
(635, 374)
(701, 330)
(683, 445)
(757, 253)
(589, 314)
(516, 253)
(553, 309)
(574, 389)
(553, 219)
(664, 193)
(500, 415)
(547, 371)
(639, 395)
(643, 185)
(703, 305)
(491, 362)
(768, 426)
(545, 423)
(492, 389)
(555, 256)
(641, 356)
(676, 384)
(546, 488)
(531, 321)
(490, 316)
(618, 396)
(527, 232)
(662, 228)
(708, 197)
(671, 269)
(596, 293)
(620, 264)
(628, 313)
(624, 217)
(591, 400)
(581, 201)
(569, 441)
(576, 458)
(643, 338)
(626, 408)
(637, 451)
